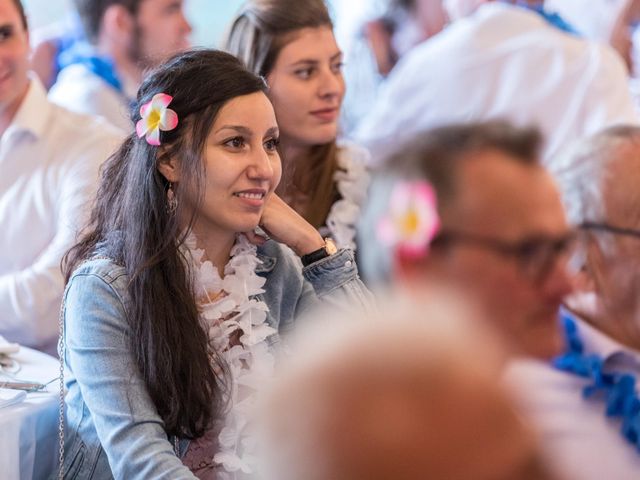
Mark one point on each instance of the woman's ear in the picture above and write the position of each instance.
(168, 167)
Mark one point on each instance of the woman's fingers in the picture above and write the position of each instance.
(255, 238)
(285, 225)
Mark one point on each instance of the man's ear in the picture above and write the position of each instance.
(407, 268)
(581, 267)
(168, 167)
(117, 24)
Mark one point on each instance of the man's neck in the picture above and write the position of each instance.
(619, 326)
(9, 111)
(127, 70)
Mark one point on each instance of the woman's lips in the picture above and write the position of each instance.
(326, 114)
(252, 197)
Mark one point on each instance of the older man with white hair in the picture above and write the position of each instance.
(587, 406)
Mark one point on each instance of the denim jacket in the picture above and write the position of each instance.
(113, 429)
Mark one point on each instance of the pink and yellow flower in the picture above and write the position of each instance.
(155, 117)
(412, 220)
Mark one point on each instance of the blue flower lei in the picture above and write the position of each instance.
(617, 389)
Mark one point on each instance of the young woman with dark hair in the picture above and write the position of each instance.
(291, 44)
(174, 303)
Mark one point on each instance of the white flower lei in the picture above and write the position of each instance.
(250, 361)
(352, 181)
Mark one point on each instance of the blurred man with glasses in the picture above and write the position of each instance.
(587, 405)
(503, 237)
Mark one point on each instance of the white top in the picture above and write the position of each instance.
(576, 436)
(592, 18)
(352, 182)
(82, 91)
(29, 430)
(501, 61)
(49, 159)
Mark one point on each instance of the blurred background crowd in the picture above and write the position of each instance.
(343, 240)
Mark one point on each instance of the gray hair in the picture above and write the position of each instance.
(582, 172)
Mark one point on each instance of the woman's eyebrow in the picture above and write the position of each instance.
(312, 61)
(238, 128)
(272, 132)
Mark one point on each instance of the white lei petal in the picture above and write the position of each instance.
(352, 181)
(251, 361)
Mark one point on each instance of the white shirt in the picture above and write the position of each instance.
(594, 19)
(502, 61)
(576, 436)
(80, 90)
(49, 159)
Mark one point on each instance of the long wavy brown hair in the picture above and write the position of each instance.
(131, 224)
(256, 36)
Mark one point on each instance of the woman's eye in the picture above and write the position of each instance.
(271, 145)
(304, 73)
(337, 67)
(235, 142)
(6, 32)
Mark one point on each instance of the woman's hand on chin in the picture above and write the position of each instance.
(283, 224)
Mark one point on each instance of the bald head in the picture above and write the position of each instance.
(399, 399)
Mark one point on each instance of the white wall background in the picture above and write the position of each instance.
(209, 18)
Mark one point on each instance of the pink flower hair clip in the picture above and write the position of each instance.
(412, 219)
(155, 117)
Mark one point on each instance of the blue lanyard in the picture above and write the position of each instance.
(551, 18)
(81, 53)
(617, 389)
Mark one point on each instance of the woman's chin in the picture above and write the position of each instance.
(247, 227)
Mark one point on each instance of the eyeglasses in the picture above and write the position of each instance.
(605, 227)
(535, 255)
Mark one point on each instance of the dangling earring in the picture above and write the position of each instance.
(172, 201)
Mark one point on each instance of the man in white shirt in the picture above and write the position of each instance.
(125, 38)
(502, 61)
(606, 21)
(49, 158)
(587, 406)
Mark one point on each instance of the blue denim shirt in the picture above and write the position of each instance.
(113, 429)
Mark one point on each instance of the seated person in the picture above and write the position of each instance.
(292, 45)
(410, 393)
(587, 406)
(502, 236)
(100, 75)
(172, 313)
(503, 61)
(49, 161)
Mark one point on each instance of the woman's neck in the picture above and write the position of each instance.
(294, 157)
(217, 246)
(292, 152)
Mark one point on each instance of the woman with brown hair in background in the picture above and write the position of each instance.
(290, 43)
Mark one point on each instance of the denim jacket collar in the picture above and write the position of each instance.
(267, 265)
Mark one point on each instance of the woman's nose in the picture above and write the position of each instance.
(261, 166)
(331, 83)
